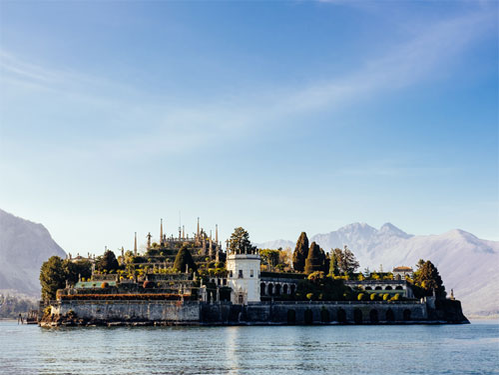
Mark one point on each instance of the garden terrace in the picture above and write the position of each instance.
(127, 297)
(105, 277)
(169, 277)
(92, 284)
(382, 286)
(277, 284)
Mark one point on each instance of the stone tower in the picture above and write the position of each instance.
(244, 276)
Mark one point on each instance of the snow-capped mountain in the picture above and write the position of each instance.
(466, 263)
(24, 246)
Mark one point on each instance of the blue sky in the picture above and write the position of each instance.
(275, 116)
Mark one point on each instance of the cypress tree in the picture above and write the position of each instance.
(315, 260)
(301, 252)
(333, 264)
(182, 259)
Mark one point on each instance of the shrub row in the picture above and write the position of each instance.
(124, 297)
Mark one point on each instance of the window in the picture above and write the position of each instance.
(240, 274)
(230, 273)
(251, 273)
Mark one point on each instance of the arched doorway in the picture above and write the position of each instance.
(285, 289)
(278, 289)
(407, 314)
(357, 316)
(390, 316)
(270, 289)
(293, 288)
(388, 288)
(325, 316)
(262, 289)
(309, 316)
(342, 316)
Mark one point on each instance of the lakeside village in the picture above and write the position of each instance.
(182, 280)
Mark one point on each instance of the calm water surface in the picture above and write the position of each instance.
(449, 349)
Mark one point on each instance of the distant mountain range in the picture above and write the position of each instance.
(467, 264)
(24, 246)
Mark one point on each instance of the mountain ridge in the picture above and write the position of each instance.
(24, 246)
(466, 263)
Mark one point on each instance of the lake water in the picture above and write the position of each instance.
(417, 349)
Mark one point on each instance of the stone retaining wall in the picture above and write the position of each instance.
(226, 313)
(165, 311)
(316, 313)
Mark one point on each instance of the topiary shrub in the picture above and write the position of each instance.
(148, 284)
(386, 297)
(47, 311)
(396, 297)
(104, 285)
(310, 296)
(373, 296)
(360, 297)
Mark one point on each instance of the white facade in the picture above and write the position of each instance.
(244, 277)
(399, 273)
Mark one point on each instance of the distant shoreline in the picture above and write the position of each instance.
(483, 317)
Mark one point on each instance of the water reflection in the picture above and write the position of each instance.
(249, 350)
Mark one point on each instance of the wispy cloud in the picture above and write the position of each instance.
(181, 127)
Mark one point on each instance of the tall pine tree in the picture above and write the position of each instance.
(343, 262)
(300, 253)
(240, 243)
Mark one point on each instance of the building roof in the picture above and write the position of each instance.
(402, 269)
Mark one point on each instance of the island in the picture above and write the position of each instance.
(182, 280)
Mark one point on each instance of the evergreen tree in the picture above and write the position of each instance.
(427, 278)
(301, 252)
(52, 277)
(327, 262)
(345, 260)
(333, 263)
(350, 263)
(107, 262)
(315, 260)
(74, 270)
(183, 259)
(239, 242)
(270, 257)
